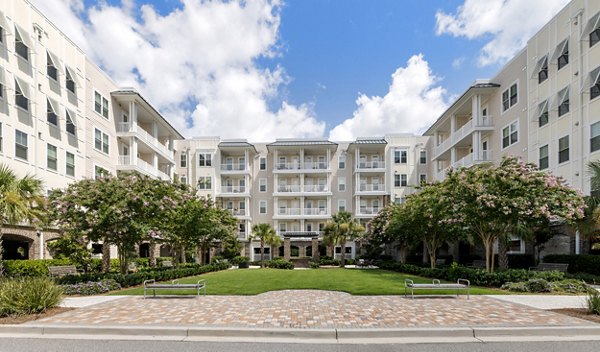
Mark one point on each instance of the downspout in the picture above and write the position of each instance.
(579, 21)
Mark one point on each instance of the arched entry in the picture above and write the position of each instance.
(145, 250)
(16, 247)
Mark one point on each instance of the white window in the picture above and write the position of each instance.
(422, 178)
(100, 104)
(101, 141)
(341, 205)
(594, 137)
(71, 83)
(20, 47)
(423, 157)
(183, 180)
(543, 160)
(396, 180)
(342, 161)
(183, 160)
(204, 159)
(51, 116)
(70, 125)
(52, 160)
(403, 180)
(510, 97)
(282, 227)
(70, 164)
(21, 145)
(51, 68)
(204, 182)
(262, 207)
(563, 149)
(262, 185)
(400, 156)
(100, 171)
(510, 134)
(341, 184)
(263, 163)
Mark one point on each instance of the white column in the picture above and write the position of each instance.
(246, 161)
(436, 138)
(452, 155)
(476, 144)
(133, 151)
(41, 241)
(154, 129)
(577, 242)
(452, 125)
(475, 109)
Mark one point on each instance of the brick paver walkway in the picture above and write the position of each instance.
(313, 309)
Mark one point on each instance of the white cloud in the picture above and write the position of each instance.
(457, 63)
(412, 104)
(509, 23)
(197, 64)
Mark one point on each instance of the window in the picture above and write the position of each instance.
(262, 185)
(1, 35)
(263, 163)
(422, 178)
(51, 69)
(341, 184)
(403, 180)
(595, 137)
(594, 78)
(282, 227)
(509, 97)
(1, 141)
(563, 101)
(563, 51)
(593, 28)
(204, 182)
(510, 134)
(400, 156)
(20, 48)
(543, 71)
(52, 118)
(396, 180)
(183, 160)
(543, 161)
(183, 180)
(342, 161)
(100, 141)
(20, 99)
(262, 207)
(543, 114)
(341, 205)
(51, 158)
(71, 82)
(71, 129)
(20, 145)
(423, 157)
(100, 104)
(100, 172)
(403, 156)
(204, 159)
(70, 159)
(563, 149)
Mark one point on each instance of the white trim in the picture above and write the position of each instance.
(259, 185)
(502, 147)
(502, 111)
(260, 203)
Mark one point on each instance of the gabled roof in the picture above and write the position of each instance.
(370, 141)
(236, 144)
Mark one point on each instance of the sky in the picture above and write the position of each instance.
(267, 69)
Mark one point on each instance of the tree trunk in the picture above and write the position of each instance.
(1, 254)
(262, 253)
(152, 259)
(425, 253)
(122, 259)
(402, 253)
(182, 254)
(502, 254)
(487, 245)
(105, 256)
(493, 259)
(343, 255)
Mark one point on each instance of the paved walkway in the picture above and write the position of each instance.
(313, 309)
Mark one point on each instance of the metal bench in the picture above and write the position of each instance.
(166, 264)
(550, 267)
(63, 270)
(461, 284)
(174, 285)
(364, 263)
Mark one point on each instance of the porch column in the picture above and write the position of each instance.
(475, 109)
(287, 248)
(452, 125)
(41, 244)
(315, 248)
(476, 144)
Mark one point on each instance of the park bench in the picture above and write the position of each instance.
(550, 267)
(461, 284)
(174, 285)
(364, 263)
(63, 270)
(166, 264)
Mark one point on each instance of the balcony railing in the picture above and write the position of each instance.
(289, 211)
(316, 188)
(371, 165)
(289, 188)
(463, 131)
(141, 165)
(315, 211)
(233, 167)
(233, 189)
(241, 235)
(302, 166)
(144, 136)
(368, 210)
(237, 212)
(373, 187)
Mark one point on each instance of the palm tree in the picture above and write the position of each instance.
(20, 200)
(267, 235)
(590, 225)
(341, 229)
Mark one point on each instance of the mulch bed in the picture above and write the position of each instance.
(580, 313)
(25, 318)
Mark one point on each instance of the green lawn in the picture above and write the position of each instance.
(353, 281)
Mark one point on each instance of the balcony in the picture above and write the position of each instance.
(464, 131)
(127, 164)
(237, 212)
(466, 161)
(289, 211)
(232, 168)
(368, 211)
(371, 187)
(126, 129)
(316, 188)
(234, 190)
(315, 212)
(289, 189)
(372, 166)
(297, 167)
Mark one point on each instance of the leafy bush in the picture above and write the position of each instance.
(589, 278)
(578, 263)
(325, 260)
(593, 302)
(31, 267)
(19, 296)
(570, 286)
(538, 285)
(240, 260)
(515, 287)
(279, 263)
(313, 265)
(91, 288)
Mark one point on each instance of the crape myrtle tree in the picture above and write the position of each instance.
(20, 200)
(496, 201)
(341, 229)
(389, 227)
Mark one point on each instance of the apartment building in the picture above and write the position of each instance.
(63, 119)
(296, 185)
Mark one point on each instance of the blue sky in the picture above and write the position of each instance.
(262, 69)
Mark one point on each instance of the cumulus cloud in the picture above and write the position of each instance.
(412, 104)
(197, 64)
(508, 24)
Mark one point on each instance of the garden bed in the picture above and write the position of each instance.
(581, 313)
(31, 317)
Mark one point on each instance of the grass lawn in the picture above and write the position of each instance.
(353, 281)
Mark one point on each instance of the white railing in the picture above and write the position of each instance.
(241, 235)
(233, 189)
(486, 155)
(302, 166)
(368, 210)
(141, 165)
(315, 188)
(237, 212)
(145, 136)
(373, 187)
(233, 167)
(289, 211)
(288, 188)
(371, 165)
(315, 211)
(463, 162)
(463, 131)
(315, 165)
(288, 166)
(442, 147)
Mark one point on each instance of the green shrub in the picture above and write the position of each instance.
(589, 278)
(329, 261)
(538, 285)
(570, 286)
(515, 287)
(91, 288)
(279, 263)
(314, 265)
(593, 302)
(578, 263)
(31, 267)
(240, 260)
(20, 296)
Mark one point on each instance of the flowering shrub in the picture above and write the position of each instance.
(91, 287)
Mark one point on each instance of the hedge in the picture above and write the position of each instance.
(477, 277)
(31, 267)
(578, 263)
(133, 279)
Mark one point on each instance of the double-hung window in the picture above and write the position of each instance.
(543, 160)
(510, 97)
(52, 158)
(396, 180)
(341, 184)
(101, 141)
(595, 137)
(510, 134)
(342, 161)
(100, 104)
(263, 163)
(262, 185)
(563, 149)
(423, 157)
(204, 182)
(183, 160)
(70, 164)
(403, 180)
(21, 147)
(204, 159)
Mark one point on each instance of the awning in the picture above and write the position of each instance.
(559, 50)
(591, 79)
(560, 98)
(56, 62)
(543, 106)
(24, 36)
(53, 105)
(541, 63)
(2, 76)
(24, 87)
(4, 23)
(591, 25)
(74, 77)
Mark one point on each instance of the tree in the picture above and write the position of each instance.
(495, 202)
(341, 229)
(267, 236)
(20, 200)
(389, 227)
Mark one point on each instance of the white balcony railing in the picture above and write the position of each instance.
(315, 211)
(371, 165)
(463, 131)
(314, 165)
(371, 187)
(125, 127)
(302, 166)
(316, 188)
(233, 189)
(289, 211)
(288, 188)
(368, 210)
(233, 167)
(237, 212)
(142, 166)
